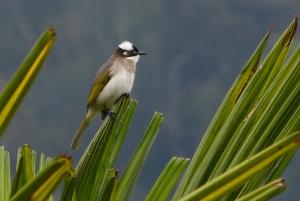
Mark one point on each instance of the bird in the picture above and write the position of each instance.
(114, 79)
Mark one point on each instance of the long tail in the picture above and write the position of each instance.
(83, 125)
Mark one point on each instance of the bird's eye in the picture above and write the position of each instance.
(125, 53)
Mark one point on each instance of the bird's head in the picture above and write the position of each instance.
(127, 50)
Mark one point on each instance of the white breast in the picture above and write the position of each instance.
(120, 83)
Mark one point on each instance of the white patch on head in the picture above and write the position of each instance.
(135, 59)
(126, 45)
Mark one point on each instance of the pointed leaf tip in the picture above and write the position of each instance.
(291, 32)
(52, 31)
(66, 157)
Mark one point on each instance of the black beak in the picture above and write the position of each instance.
(141, 53)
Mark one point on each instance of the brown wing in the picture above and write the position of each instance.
(102, 78)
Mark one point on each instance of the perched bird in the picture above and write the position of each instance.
(114, 79)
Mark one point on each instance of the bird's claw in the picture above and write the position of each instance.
(127, 95)
(112, 115)
(109, 113)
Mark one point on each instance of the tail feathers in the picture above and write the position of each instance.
(83, 125)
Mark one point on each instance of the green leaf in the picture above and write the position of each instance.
(5, 186)
(244, 108)
(110, 191)
(41, 186)
(277, 55)
(281, 166)
(268, 194)
(265, 192)
(287, 120)
(274, 109)
(136, 163)
(167, 180)
(276, 115)
(25, 169)
(222, 114)
(42, 163)
(92, 170)
(238, 175)
(69, 190)
(268, 125)
(17, 87)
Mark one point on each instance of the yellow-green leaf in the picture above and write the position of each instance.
(238, 175)
(41, 186)
(16, 88)
(265, 192)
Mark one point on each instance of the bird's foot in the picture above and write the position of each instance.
(127, 95)
(109, 113)
(112, 115)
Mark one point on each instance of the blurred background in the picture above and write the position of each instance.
(195, 51)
